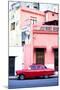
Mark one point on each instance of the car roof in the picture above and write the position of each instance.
(37, 65)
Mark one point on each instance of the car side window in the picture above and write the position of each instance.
(42, 67)
(38, 67)
(33, 67)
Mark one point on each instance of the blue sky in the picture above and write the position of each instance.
(53, 7)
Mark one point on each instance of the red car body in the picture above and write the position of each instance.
(35, 71)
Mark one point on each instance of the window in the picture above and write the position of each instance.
(23, 43)
(23, 38)
(29, 36)
(12, 17)
(33, 20)
(52, 14)
(23, 35)
(13, 26)
(15, 5)
(28, 6)
(36, 6)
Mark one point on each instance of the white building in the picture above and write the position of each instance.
(16, 55)
(15, 47)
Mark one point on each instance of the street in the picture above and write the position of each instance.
(13, 84)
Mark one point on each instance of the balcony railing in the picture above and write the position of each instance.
(46, 28)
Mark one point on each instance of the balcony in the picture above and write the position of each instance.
(46, 28)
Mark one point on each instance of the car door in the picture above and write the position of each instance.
(32, 72)
(40, 70)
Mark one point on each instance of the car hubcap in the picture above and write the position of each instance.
(22, 77)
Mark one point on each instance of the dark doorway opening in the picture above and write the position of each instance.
(39, 55)
(11, 65)
(56, 59)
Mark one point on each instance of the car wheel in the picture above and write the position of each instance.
(21, 77)
(46, 77)
(41, 77)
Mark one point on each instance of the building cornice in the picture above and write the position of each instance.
(28, 10)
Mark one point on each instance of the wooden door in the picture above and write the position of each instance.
(39, 56)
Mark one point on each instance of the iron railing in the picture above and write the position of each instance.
(46, 28)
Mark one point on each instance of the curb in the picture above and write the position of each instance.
(12, 77)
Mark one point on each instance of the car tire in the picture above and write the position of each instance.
(45, 77)
(21, 77)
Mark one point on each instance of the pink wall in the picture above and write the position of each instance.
(28, 55)
(41, 41)
(27, 13)
(46, 41)
(50, 17)
(38, 40)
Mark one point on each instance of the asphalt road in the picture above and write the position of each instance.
(13, 84)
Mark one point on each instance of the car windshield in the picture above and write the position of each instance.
(45, 67)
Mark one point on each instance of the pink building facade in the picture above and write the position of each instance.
(42, 46)
(42, 49)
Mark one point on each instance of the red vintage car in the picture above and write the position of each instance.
(34, 71)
